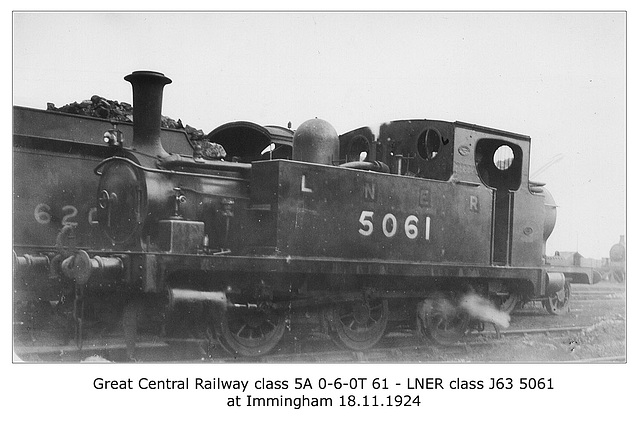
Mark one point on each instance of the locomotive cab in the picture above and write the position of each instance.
(418, 148)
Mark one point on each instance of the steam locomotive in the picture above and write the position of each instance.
(357, 230)
(617, 265)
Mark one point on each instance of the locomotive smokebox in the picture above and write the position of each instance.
(147, 111)
(316, 141)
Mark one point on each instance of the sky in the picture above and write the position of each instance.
(558, 77)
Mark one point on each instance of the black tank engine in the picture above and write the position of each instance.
(352, 233)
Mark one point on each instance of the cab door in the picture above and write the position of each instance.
(499, 165)
(502, 225)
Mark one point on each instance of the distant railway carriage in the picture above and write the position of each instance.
(360, 230)
(578, 269)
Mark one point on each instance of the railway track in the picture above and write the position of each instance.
(318, 348)
(583, 292)
(400, 345)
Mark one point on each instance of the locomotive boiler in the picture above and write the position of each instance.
(358, 231)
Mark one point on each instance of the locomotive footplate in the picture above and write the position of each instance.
(168, 264)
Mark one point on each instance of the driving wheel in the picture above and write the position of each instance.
(359, 325)
(441, 321)
(508, 303)
(251, 331)
(558, 303)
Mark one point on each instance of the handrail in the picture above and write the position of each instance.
(97, 170)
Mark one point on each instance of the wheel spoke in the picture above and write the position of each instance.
(240, 330)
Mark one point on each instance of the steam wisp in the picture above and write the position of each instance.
(484, 310)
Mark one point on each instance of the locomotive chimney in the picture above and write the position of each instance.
(147, 111)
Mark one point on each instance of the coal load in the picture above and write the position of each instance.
(113, 110)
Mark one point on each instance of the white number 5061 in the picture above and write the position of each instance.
(390, 225)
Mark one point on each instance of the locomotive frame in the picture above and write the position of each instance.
(360, 229)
